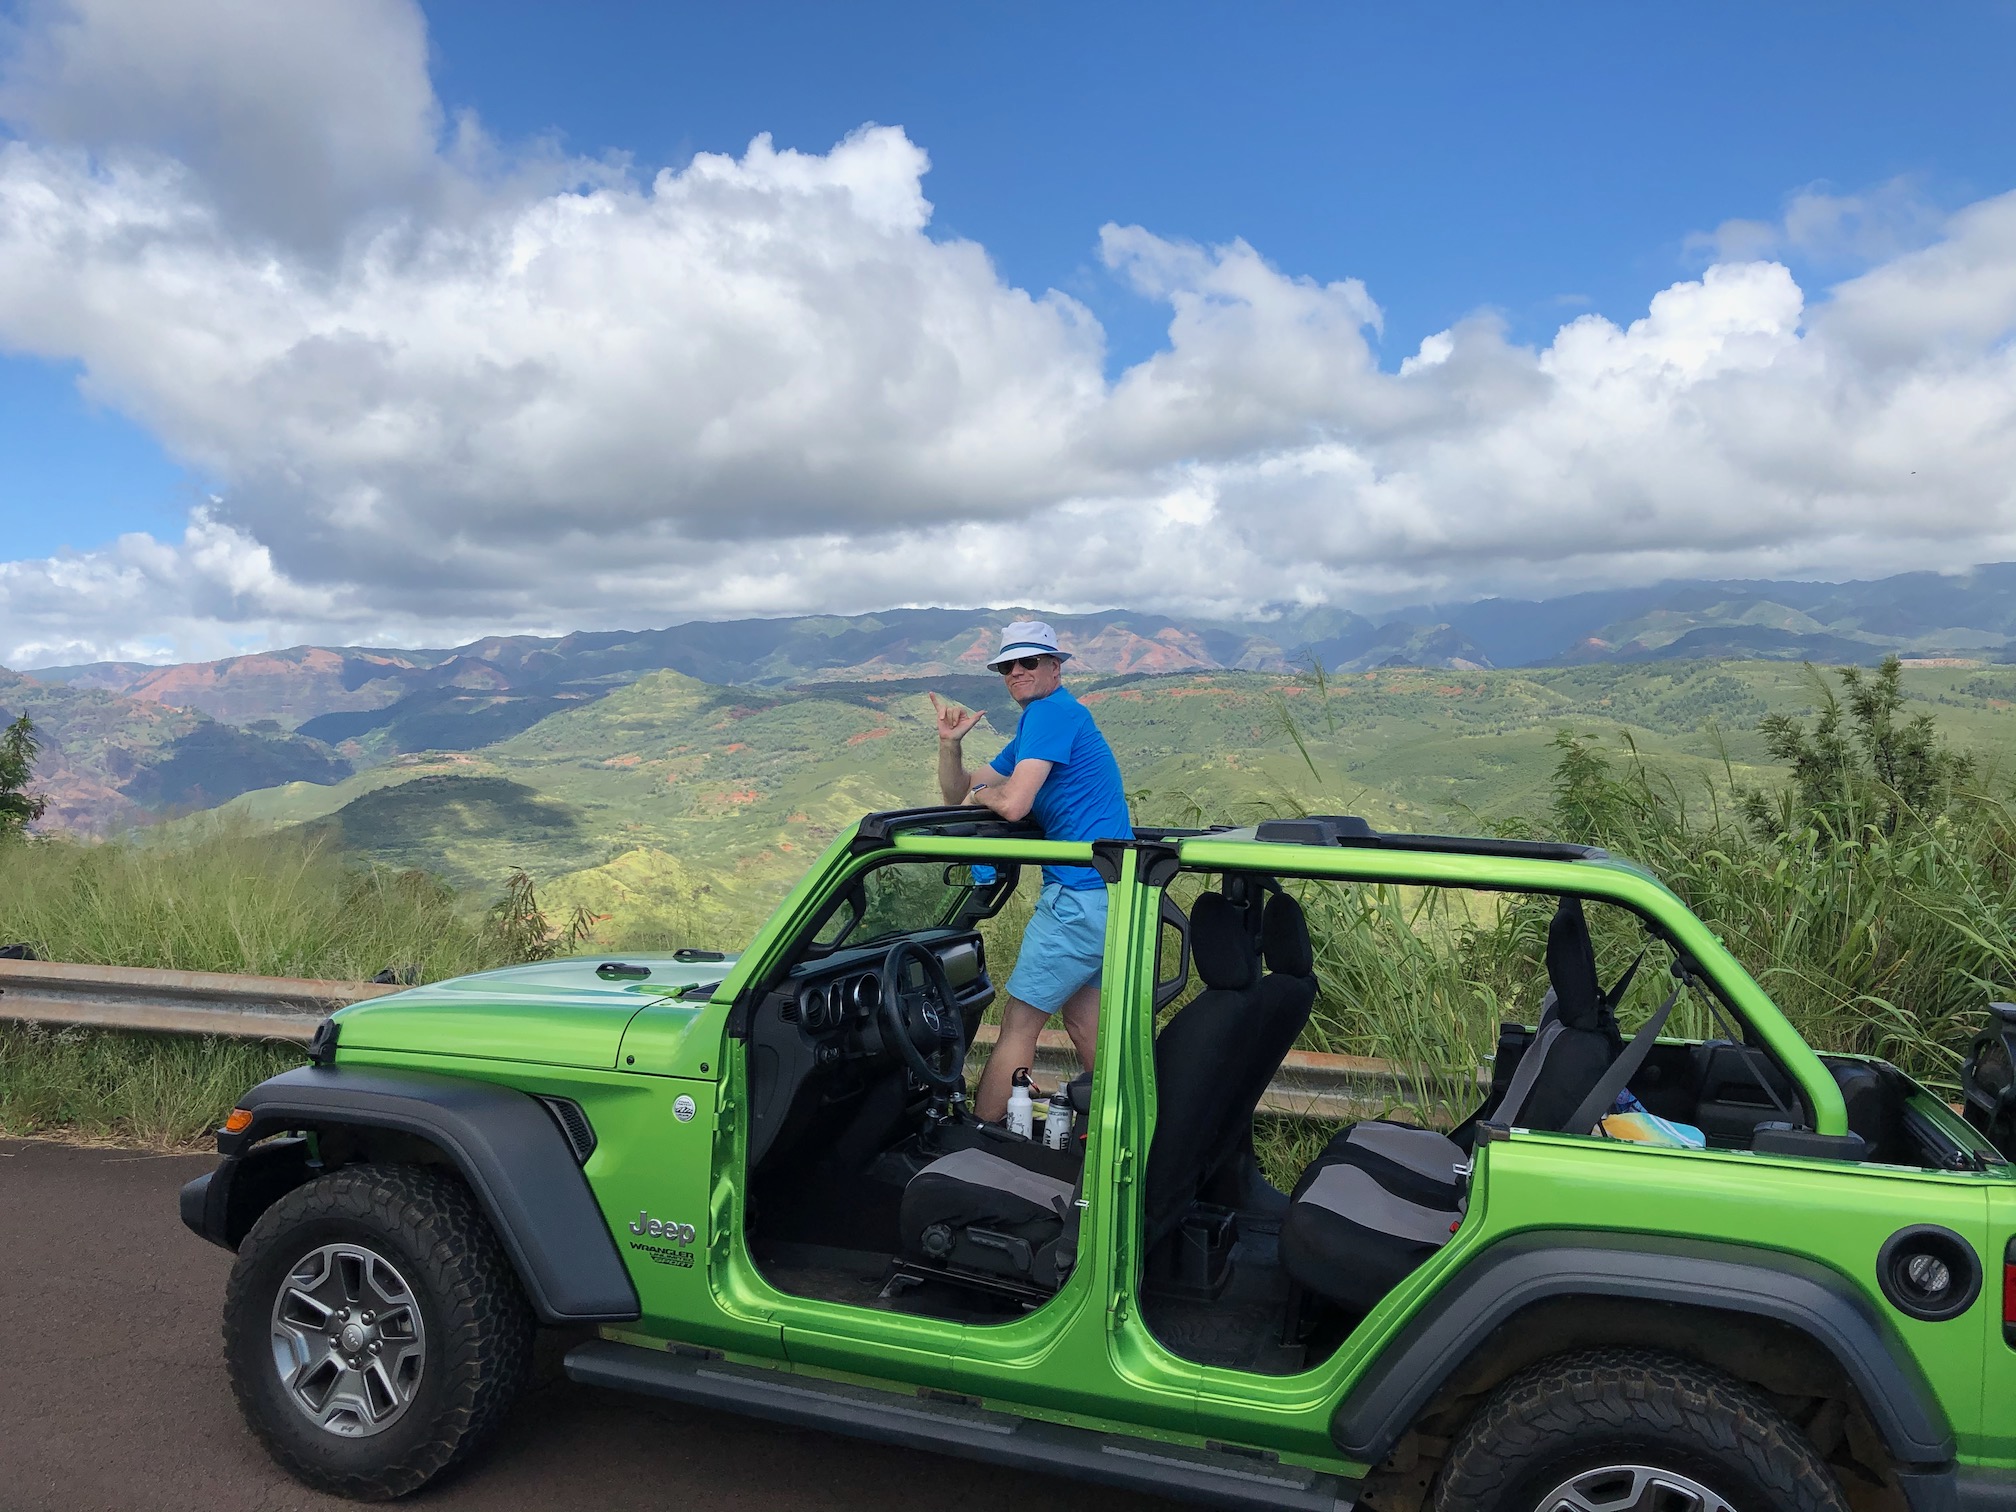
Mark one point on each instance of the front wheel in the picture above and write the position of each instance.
(1625, 1430)
(374, 1331)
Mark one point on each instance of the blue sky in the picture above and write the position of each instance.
(1453, 156)
(1532, 163)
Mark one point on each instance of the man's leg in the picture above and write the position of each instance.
(1081, 1022)
(1020, 1024)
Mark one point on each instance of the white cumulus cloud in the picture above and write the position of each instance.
(446, 387)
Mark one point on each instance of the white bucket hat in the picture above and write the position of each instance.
(1027, 638)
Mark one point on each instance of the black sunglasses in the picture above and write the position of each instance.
(1020, 664)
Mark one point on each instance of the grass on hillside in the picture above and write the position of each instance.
(265, 904)
(233, 901)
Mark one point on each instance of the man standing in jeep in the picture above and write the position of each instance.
(1059, 770)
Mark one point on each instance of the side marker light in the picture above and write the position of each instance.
(2009, 1295)
(239, 1121)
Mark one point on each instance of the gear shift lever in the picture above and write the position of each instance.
(944, 1111)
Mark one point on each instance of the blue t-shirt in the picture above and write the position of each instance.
(1082, 798)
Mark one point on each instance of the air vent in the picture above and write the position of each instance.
(574, 1124)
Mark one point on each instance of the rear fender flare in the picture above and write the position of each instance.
(502, 1142)
(1514, 1274)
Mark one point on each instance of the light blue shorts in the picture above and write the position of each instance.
(1062, 948)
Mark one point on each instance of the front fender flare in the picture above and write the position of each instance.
(501, 1141)
(1515, 1273)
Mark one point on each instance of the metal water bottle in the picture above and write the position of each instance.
(1057, 1122)
(1021, 1111)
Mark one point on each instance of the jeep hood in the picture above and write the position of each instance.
(555, 1013)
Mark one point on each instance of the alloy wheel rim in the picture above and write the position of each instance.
(1632, 1488)
(348, 1340)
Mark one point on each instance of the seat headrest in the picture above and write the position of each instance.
(1571, 967)
(1220, 948)
(1284, 938)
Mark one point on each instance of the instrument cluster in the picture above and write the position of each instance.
(839, 1003)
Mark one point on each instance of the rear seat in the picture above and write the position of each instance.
(1382, 1197)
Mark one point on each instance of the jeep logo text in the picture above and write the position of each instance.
(657, 1228)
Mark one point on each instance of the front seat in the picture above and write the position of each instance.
(1383, 1197)
(975, 1211)
(1214, 1059)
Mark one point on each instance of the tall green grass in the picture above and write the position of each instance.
(1873, 894)
(263, 904)
(266, 904)
(155, 1091)
(1874, 936)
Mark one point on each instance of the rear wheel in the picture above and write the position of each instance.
(374, 1331)
(1622, 1430)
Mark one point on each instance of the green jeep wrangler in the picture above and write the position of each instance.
(751, 1182)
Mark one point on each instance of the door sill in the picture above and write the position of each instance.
(956, 1427)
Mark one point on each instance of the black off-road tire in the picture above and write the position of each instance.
(1579, 1413)
(475, 1355)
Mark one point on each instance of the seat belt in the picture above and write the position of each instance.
(1527, 1073)
(1603, 1096)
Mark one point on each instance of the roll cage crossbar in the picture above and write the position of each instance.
(958, 821)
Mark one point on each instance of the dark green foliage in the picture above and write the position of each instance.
(1877, 773)
(1879, 925)
(522, 931)
(1876, 909)
(1593, 805)
(18, 806)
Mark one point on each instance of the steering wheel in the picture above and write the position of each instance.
(922, 1022)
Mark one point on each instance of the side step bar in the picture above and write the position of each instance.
(947, 1426)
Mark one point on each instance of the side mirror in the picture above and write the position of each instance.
(971, 874)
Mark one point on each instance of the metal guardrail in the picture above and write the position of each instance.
(1308, 1085)
(173, 1002)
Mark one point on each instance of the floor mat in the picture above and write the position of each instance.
(1240, 1329)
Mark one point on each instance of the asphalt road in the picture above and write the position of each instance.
(112, 1391)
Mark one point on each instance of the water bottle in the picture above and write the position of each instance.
(1021, 1111)
(1057, 1122)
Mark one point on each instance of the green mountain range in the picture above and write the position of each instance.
(374, 703)
(109, 761)
(673, 780)
(678, 811)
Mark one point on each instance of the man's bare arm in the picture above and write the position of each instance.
(954, 781)
(1014, 795)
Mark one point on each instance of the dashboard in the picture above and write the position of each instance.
(833, 996)
(816, 1042)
